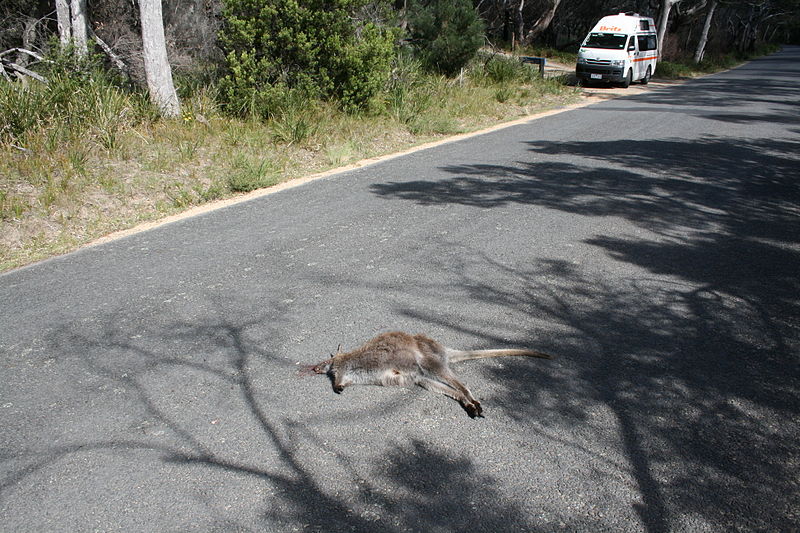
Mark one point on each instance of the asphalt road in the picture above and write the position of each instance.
(651, 242)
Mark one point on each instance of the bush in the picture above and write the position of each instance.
(446, 33)
(278, 49)
(502, 70)
(79, 101)
(404, 98)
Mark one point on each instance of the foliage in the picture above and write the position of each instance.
(686, 67)
(506, 70)
(568, 57)
(445, 33)
(99, 159)
(279, 52)
(79, 100)
(250, 175)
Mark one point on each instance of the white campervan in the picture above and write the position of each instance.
(620, 49)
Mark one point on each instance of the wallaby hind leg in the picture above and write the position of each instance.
(470, 404)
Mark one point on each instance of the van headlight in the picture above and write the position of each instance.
(581, 60)
(617, 62)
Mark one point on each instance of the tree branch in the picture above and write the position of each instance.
(24, 51)
(22, 70)
(109, 52)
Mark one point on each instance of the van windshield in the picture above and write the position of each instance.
(610, 41)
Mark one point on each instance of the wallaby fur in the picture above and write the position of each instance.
(400, 359)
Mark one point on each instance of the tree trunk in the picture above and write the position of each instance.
(156, 65)
(542, 23)
(520, 21)
(666, 7)
(701, 45)
(78, 23)
(64, 23)
(28, 36)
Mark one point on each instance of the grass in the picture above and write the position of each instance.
(686, 67)
(552, 54)
(88, 157)
(83, 157)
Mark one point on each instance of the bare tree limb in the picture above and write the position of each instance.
(24, 51)
(542, 23)
(689, 11)
(28, 35)
(22, 70)
(701, 44)
(156, 65)
(121, 66)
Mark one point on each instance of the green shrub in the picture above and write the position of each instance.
(293, 126)
(446, 33)
(501, 70)
(672, 70)
(248, 176)
(70, 105)
(11, 206)
(406, 94)
(277, 49)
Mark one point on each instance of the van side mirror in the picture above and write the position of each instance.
(631, 47)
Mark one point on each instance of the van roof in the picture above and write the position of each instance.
(623, 23)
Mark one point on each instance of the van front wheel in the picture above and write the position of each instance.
(647, 76)
(628, 79)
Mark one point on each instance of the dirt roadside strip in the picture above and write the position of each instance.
(590, 96)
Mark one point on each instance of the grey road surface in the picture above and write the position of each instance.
(651, 242)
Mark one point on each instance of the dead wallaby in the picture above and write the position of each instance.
(400, 359)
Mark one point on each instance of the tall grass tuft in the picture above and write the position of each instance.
(505, 70)
(408, 93)
(249, 174)
(71, 107)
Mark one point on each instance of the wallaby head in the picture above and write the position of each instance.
(323, 367)
(401, 359)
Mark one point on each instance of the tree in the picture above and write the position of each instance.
(279, 52)
(541, 23)
(64, 23)
(663, 20)
(156, 66)
(72, 28)
(701, 44)
(446, 34)
(78, 16)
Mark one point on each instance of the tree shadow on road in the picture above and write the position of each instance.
(696, 356)
(189, 399)
(756, 82)
(656, 183)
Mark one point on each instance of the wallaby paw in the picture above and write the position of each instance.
(338, 389)
(473, 409)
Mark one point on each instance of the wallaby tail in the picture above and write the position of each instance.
(455, 356)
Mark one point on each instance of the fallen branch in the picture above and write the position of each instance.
(23, 51)
(8, 65)
(110, 53)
